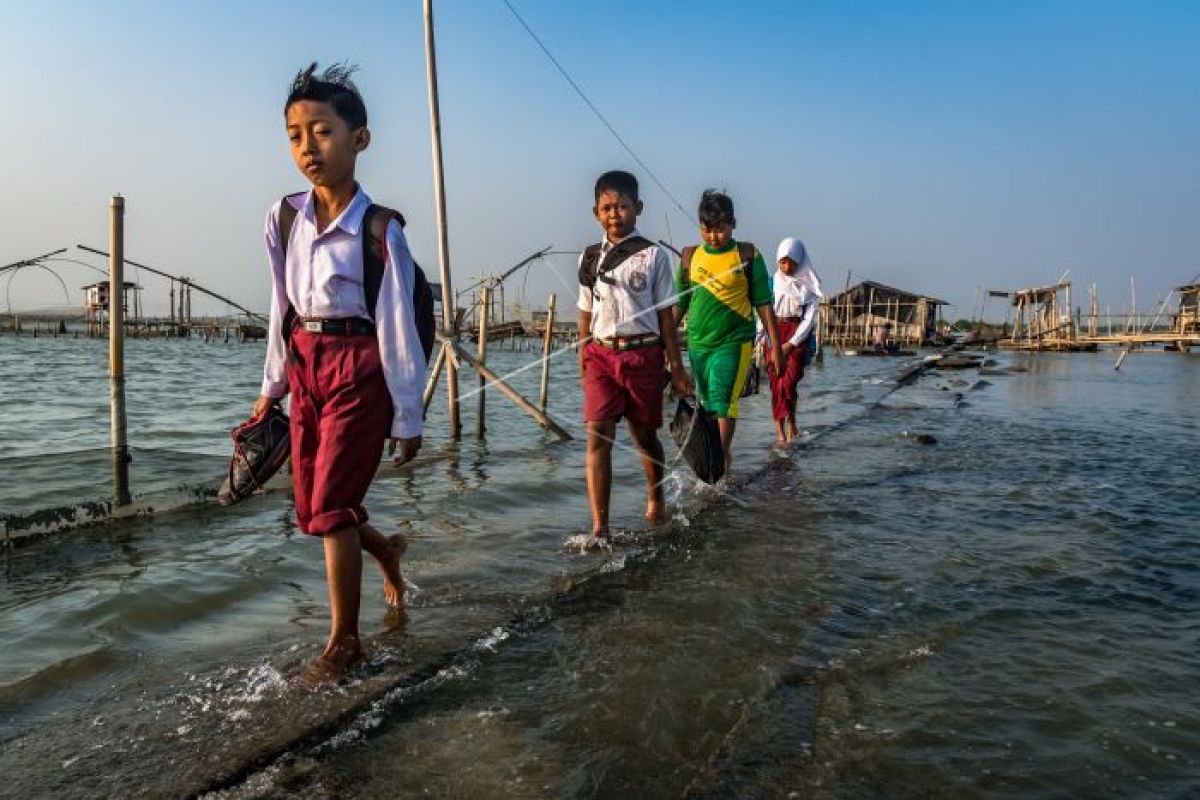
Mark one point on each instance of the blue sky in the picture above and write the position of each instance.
(937, 146)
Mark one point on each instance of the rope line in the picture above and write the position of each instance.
(599, 115)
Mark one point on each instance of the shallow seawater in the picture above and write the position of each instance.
(1009, 611)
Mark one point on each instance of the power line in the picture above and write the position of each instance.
(562, 70)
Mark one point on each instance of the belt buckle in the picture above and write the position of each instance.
(313, 325)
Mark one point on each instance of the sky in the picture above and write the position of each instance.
(942, 147)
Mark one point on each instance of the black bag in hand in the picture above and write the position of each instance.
(260, 447)
(697, 436)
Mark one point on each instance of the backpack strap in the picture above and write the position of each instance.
(587, 265)
(287, 219)
(374, 227)
(589, 272)
(685, 263)
(375, 256)
(746, 253)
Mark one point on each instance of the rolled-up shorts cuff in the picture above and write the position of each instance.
(330, 521)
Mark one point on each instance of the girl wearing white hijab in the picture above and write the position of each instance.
(797, 305)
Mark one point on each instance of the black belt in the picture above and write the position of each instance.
(622, 343)
(343, 326)
(789, 319)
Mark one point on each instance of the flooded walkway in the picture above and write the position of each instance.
(866, 617)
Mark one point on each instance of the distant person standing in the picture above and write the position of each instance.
(626, 330)
(797, 291)
(721, 286)
(355, 369)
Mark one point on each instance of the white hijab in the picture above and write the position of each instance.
(804, 274)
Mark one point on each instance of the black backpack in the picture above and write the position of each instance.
(592, 269)
(375, 222)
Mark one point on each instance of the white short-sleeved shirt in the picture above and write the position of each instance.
(642, 286)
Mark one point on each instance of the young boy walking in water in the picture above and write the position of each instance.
(721, 285)
(625, 329)
(355, 373)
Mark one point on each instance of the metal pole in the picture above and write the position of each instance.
(481, 408)
(547, 341)
(116, 351)
(439, 190)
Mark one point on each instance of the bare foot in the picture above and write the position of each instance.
(332, 665)
(657, 513)
(393, 584)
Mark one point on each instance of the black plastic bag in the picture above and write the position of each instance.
(697, 436)
(261, 446)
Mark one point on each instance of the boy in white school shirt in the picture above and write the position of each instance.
(626, 338)
(355, 374)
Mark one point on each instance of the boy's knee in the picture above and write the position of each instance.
(600, 436)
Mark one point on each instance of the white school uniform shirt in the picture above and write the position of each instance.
(796, 298)
(323, 278)
(643, 285)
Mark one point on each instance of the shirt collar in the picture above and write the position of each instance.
(732, 244)
(351, 218)
(606, 245)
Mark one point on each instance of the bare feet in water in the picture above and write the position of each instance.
(333, 665)
(657, 512)
(393, 583)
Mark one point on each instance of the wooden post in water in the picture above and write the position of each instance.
(512, 394)
(481, 407)
(868, 320)
(439, 190)
(116, 351)
(431, 382)
(547, 342)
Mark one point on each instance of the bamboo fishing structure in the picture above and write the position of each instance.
(855, 317)
(1044, 320)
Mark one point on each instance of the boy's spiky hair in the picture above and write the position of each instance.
(716, 209)
(617, 181)
(332, 86)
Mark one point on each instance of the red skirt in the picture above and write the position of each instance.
(785, 387)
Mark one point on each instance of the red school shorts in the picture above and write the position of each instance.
(341, 414)
(628, 384)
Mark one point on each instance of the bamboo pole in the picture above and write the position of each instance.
(434, 374)
(868, 318)
(547, 342)
(116, 351)
(439, 189)
(1070, 315)
(481, 403)
(511, 393)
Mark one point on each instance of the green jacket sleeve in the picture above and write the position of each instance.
(760, 283)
